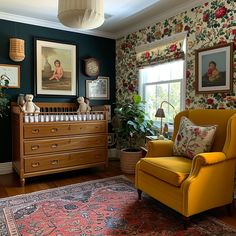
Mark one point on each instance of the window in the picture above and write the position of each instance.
(159, 83)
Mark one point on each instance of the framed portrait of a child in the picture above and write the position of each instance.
(214, 69)
(55, 72)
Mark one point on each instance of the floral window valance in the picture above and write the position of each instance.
(161, 54)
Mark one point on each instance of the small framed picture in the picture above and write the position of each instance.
(10, 76)
(214, 69)
(98, 89)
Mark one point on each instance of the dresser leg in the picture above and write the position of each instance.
(22, 182)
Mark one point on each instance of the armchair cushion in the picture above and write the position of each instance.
(192, 139)
(173, 170)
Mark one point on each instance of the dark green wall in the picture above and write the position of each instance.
(87, 46)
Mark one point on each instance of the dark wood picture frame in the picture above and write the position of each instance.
(214, 69)
(48, 55)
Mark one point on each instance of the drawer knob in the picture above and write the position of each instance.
(35, 131)
(53, 130)
(54, 162)
(36, 164)
(54, 145)
(34, 147)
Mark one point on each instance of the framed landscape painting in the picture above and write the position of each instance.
(214, 69)
(55, 68)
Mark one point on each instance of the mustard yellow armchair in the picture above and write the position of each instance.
(192, 186)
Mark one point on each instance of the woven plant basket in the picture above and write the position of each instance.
(128, 160)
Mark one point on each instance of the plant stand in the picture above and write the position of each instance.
(128, 160)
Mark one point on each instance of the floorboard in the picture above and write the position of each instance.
(10, 185)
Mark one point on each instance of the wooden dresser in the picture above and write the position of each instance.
(57, 139)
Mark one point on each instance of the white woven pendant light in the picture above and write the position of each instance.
(81, 14)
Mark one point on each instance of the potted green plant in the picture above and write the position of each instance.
(131, 125)
(3, 97)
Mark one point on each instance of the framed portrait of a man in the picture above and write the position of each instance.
(214, 69)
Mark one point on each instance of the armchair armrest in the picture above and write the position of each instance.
(210, 182)
(160, 148)
(209, 158)
(206, 159)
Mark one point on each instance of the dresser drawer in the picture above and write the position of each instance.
(63, 144)
(42, 163)
(38, 131)
(90, 127)
(52, 130)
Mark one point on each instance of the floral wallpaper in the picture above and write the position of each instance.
(208, 25)
(161, 54)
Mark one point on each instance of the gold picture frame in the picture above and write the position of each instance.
(214, 69)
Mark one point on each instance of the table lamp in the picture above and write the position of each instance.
(161, 114)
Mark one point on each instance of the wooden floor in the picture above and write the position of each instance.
(10, 185)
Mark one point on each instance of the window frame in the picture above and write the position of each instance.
(182, 81)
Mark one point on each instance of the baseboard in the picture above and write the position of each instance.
(6, 168)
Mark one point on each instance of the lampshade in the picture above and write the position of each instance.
(160, 113)
(81, 14)
(17, 49)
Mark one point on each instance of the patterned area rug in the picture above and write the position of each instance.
(102, 207)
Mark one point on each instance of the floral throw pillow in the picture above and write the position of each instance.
(192, 139)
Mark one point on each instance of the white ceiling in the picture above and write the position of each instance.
(122, 16)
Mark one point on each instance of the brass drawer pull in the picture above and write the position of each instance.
(54, 130)
(36, 164)
(35, 131)
(54, 162)
(54, 145)
(34, 147)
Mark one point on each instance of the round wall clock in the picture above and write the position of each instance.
(92, 67)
